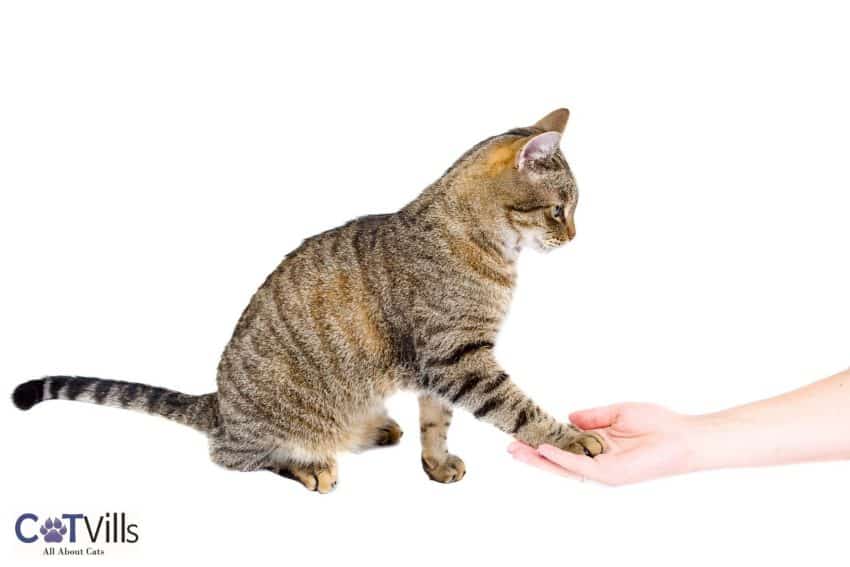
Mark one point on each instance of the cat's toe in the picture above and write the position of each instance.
(451, 469)
(325, 481)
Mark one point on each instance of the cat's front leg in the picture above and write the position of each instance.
(435, 416)
(469, 377)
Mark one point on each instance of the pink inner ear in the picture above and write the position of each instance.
(540, 147)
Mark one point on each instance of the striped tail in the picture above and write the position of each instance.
(200, 412)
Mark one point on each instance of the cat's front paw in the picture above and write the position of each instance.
(450, 469)
(585, 443)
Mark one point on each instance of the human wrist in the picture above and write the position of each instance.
(709, 441)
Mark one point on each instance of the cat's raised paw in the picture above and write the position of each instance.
(586, 443)
(449, 470)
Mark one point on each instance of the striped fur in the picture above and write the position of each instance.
(409, 300)
(200, 412)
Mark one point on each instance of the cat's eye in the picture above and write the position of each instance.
(558, 212)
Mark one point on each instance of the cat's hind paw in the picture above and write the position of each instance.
(388, 433)
(319, 478)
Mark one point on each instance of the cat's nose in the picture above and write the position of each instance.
(571, 228)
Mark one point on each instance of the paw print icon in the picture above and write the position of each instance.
(53, 530)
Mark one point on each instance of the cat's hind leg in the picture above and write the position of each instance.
(239, 450)
(377, 429)
(435, 416)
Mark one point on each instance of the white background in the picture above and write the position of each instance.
(158, 159)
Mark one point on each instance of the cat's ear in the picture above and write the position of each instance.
(539, 148)
(555, 121)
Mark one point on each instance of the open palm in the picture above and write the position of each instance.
(644, 441)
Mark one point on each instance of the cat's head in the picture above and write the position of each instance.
(520, 182)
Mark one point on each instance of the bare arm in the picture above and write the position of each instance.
(808, 424)
(648, 441)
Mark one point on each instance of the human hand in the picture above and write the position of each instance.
(643, 441)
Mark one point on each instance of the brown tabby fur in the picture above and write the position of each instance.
(411, 300)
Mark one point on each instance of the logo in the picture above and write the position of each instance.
(80, 534)
(53, 530)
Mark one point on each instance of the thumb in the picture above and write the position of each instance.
(596, 417)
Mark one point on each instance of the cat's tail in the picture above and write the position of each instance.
(200, 412)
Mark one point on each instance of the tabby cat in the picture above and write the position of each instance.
(410, 300)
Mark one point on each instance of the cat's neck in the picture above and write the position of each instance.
(486, 237)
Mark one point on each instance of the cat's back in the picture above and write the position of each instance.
(336, 288)
(349, 249)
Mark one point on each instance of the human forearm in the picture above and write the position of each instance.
(808, 424)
